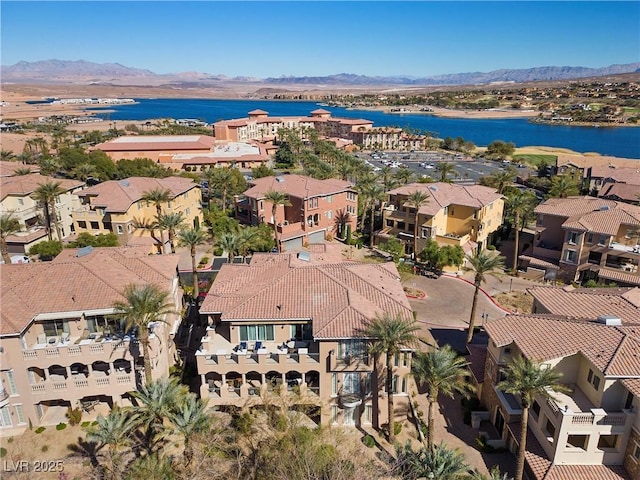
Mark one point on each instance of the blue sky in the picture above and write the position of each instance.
(272, 39)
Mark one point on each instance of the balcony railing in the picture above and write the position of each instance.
(81, 382)
(62, 351)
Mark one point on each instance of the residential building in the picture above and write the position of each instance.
(223, 154)
(464, 215)
(586, 238)
(62, 344)
(113, 206)
(311, 215)
(8, 169)
(153, 146)
(293, 323)
(622, 184)
(16, 198)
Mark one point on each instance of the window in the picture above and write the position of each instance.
(256, 332)
(578, 441)
(607, 441)
(402, 226)
(329, 198)
(139, 205)
(396, 378)
(53, 328)
(593, 379)
(13, 390)
(390, 223)
(334, 384)
(120, 229)
(334, 414)
(550, 428)
(129, 228)
(187, 211)
(352, 349)
(351, 383)
(367, 413)
(82, 224)
(570, 256)
(19, 413)
(604, 239)
(312, 203)
(426, 232)
(574, 237)
(540, 220)
(20, 201)
(351, 196)
(636, 452)
(5, 417)
(95, 226)
(589, 237)
(367, 384)
(535, 408)
(301, 332)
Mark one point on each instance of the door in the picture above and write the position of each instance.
(499, 423)
(316, 237)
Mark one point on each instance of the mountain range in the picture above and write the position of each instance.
(85, 72)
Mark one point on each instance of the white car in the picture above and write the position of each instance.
(429, 166)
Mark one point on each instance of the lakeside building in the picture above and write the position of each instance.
(314, 206)
(622, 184)
(153, 146)
(112, 206)
(16, 199)
(464, 215)
(63, 346)
(289, 324)
(586, 238)
(224, 154)
(593, 430)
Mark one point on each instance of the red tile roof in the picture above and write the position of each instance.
(157, 142)
(8, 169)
(338, 297)
(298, 186)
(25, 185)
(93, 281)
(577, 207)
(633, 385)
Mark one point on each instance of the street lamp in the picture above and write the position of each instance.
(510, 285)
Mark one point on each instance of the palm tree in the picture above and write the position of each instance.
(389, 334)
(84, 171)
(441, 371)
(499, 179)
(158, 196)
(341, 219)
(386, 174)
(416, 200)
(439, 463)
(46, 194)
(494, 474)
(141, 306)
(113, 431)
(48, 165)
(192, 237)
(230, 242)
(482, 263)
(247, 236)
(189, 418)
(563, 187)
(148, 225)
(518, 203)
(445, 169)
(276, 198)
(8, 226)
(220, 179)
(403, 176)
(19, 172)
(373, 195)
(171, 222)
(527, 379)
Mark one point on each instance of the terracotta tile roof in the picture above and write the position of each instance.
(25, 185)
(586, 472)
(622, 175)
(338, 297)
(119, 195)
(576, 207)
(443, 194)
(590, 302)
(613, 350)
(318, 111)
(257, 111)
(623, 191)
(539, 262)
(633, 385)
(8, 169)
(619, 276)
(93, 281)
(157, 142)
(535, 456)
(298, 186)
(602, 221)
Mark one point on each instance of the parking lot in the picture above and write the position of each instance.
(423, 164)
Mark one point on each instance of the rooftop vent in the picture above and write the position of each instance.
(304, 256)
(604, 207)
(84, 251)
(279, 179)
(433, 188)
(124, 183)
(610, 320)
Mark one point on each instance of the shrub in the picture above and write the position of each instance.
(3, 452)
(61, 426)
(44, 448)
(85, 424)
(204, 260)
(491, 247)
(10, 440)
(40, 429)
(424, 429)
(397, 428)
(74, 415)
(243, 423)
(368, 441)
(218, 251)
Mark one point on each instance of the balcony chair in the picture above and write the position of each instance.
(64, 338)
(42, 339)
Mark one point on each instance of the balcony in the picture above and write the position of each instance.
(453, 239)
(287, 229)
(67, 351)
(544, 250)
(351, 363)
(59, 386)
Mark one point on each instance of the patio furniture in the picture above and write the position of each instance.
(257, 346)
(64, 338)
(42, 339)
(52, 340)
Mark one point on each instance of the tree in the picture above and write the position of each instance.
(171, 222)
(494, 474)
(19, 172)
(403, 176)
(85, 239)
(518, 203)
(84, 171)
(158, 196)
(373, 194)
(527, 379)
(499, 179)
(482, 263)
(276, 198)
(230, 242)
(141, 306)
(148, 225)
(262, 171)
(46, 194)
(445, 169)
(46, 250)
(563, 187)
(439, 463)
(8, 226)
(191, 238)
(387, 335)
(341, 219)
(189, 417)
(417, 200)
(500, 149)
(441, 371)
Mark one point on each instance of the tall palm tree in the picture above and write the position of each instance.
(563, 186)
(387, 335)
(442, 371)
(483, 263)
(416, 200)
(46, 194)
(158, 196)
(528, 379)
(373, 194)
(403, 176)
(171, 222)
(141, 306)
(83, 171)
(247, 237)
(48, 165)
(276, 198)
(440, 463)
(189, 418)
(220, 179)
(518, 203)
(445, 169)
(230, 242)
(8, 226)
(191, 238)
(114, 432)
(386, 174)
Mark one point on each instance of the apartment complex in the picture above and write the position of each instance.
(314, 205)
(113, 206)
(16, 198)
(622, 184)
(291, 324)
(63, 346)
(586, 238)
(592, 430)
(464, 215)
(154, 146)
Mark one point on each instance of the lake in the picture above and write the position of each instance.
(616, 141)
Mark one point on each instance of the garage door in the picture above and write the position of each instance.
(316, 237)
(293, 245)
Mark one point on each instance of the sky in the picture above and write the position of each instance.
(308, 38)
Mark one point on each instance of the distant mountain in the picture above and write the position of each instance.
(84, 72)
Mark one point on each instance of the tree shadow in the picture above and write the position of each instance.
(86, 449)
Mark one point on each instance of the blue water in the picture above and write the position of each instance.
(617, 141)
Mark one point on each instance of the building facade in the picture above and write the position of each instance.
(153, 146)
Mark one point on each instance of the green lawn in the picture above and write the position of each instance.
(536, 159)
